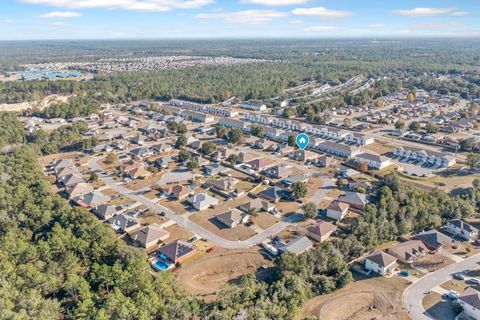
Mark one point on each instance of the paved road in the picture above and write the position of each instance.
(187, 224)
(413, 295)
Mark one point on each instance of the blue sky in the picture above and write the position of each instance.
(130, 19)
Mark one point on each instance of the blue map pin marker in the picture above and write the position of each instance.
(302, 140)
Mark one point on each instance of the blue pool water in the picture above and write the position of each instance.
(160, 265)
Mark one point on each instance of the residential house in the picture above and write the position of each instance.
(213, 169)
(303, 155)
(178, 251)
(135, 170)
(202, 201)
(274, 194)
(373, 160)
(321, 230)
(176, 177)
(162, 148)
(123, 223)
(150, 236)
(232, 218)
(163, 162)
(278, 172)
(435, 240)
(141, 152)
(381, 263)
(179, 192)
(140, 140)
(246, 157)
(408, 251)
(70, 180)
(289, 181)
(297, 246)
(337, 210)
(63, 172)
(105, 211)
(323, 161)
(469, 300)
(78, 189)
(261, 164)
(354, 199)
(58, 164)
(257, 205)
(223, 184)
(462, 229)
(92, 199)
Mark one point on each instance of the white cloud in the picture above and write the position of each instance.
(319, 29)
(276, 2)
(295, 22)
(59, 24)
(423, 12)
(7, 21)
(245, 17)
(321, 12)
(376, 26)
(60, 14)
(460, 13)
(136, 5)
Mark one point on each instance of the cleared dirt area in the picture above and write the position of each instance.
(205, 276)
(39, 104)
(373, 298)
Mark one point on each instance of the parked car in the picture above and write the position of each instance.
(474, 281)
(404, 273)
(451, 295)
(458, 276)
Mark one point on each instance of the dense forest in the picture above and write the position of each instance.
(405, 63)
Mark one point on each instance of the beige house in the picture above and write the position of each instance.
(150, 236)
(321, 230)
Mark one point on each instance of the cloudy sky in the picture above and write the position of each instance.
(105, 19)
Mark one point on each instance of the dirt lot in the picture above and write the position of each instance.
(373, 298)
(433, 262)
(78, 157)
(205, 276)
(265, 220)
(38, 104)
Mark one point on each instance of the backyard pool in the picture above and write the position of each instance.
(161, 266)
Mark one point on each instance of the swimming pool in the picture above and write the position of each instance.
(161, 266)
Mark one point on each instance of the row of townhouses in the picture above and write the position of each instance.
(421, 156)
(356, 138)
(213, 110)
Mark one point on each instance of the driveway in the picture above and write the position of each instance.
(413, 295)
(187, 224)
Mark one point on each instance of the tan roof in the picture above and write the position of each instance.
(321, 228)
(408, 249)
(79, 189)
(148, 234)
(338, 206)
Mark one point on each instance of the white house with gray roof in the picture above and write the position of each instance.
(462, 229)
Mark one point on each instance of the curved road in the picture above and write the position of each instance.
(187, 224)
(413, 295)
